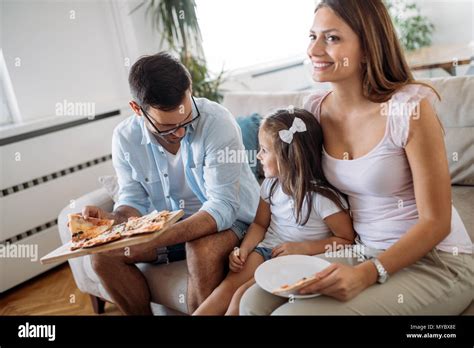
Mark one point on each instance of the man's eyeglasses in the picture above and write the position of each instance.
(174, 129)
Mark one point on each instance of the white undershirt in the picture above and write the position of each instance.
(179, 188)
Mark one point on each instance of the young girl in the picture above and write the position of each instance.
(290, 152)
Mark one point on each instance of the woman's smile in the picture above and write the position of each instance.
(320, 66)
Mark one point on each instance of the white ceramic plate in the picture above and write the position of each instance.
(276, 272)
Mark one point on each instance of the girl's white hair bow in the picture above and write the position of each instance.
(287, 135)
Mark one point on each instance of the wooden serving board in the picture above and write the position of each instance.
(64, 252)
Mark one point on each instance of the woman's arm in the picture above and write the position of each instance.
(427, 158)
(432, 183)
(340, 225)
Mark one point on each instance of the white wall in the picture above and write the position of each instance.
(72, 50)
(453, 19)
(81, 57)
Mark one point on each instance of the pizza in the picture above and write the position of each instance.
(84, 229)
(146, 224)
(91, 232)
(293, 288)
(106, 237)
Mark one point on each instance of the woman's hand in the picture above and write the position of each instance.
(237, 259)
(289, 249)
(341, 281)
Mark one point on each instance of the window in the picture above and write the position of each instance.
(240, 33)
(62, 53)
(5, 117)
(8, 104)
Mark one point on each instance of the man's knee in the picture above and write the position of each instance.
(103, 262)
(211, 248)
(198, 247)
(100, 263)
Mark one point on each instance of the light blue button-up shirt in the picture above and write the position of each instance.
(223, 183)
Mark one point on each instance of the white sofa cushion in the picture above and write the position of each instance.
(456, 113)
(167, 283)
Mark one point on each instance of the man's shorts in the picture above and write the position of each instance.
(177, 252)
(240, 229)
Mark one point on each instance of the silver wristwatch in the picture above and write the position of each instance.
(383, 274)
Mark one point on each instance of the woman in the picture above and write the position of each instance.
(394, 170)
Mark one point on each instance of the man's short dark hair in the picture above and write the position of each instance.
(159, 81)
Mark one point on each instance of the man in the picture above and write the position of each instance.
(169, 156)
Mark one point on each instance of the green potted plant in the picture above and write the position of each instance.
(413, 29)
(177, 23)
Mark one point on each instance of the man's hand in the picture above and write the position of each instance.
(237, 258)
(121, 214)
(95, 212)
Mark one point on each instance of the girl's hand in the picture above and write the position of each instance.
(342, 282)
(237, 259)
(289, 249)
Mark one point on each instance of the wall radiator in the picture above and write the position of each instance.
(42, 172)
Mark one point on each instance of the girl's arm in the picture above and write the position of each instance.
(258, 228)
(340, 225)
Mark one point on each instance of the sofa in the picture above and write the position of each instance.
(168, 281)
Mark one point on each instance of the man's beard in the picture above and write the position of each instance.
(167, 140)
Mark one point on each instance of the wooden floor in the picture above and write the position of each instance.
(52, 293)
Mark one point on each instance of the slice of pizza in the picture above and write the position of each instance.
(83, 229)
(106, 237)
(120, 228)
(147, 223)
(293, 288)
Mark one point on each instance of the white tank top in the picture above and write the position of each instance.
(379, 184)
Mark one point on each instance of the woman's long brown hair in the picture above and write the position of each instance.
(299, 163)
(385, 69)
